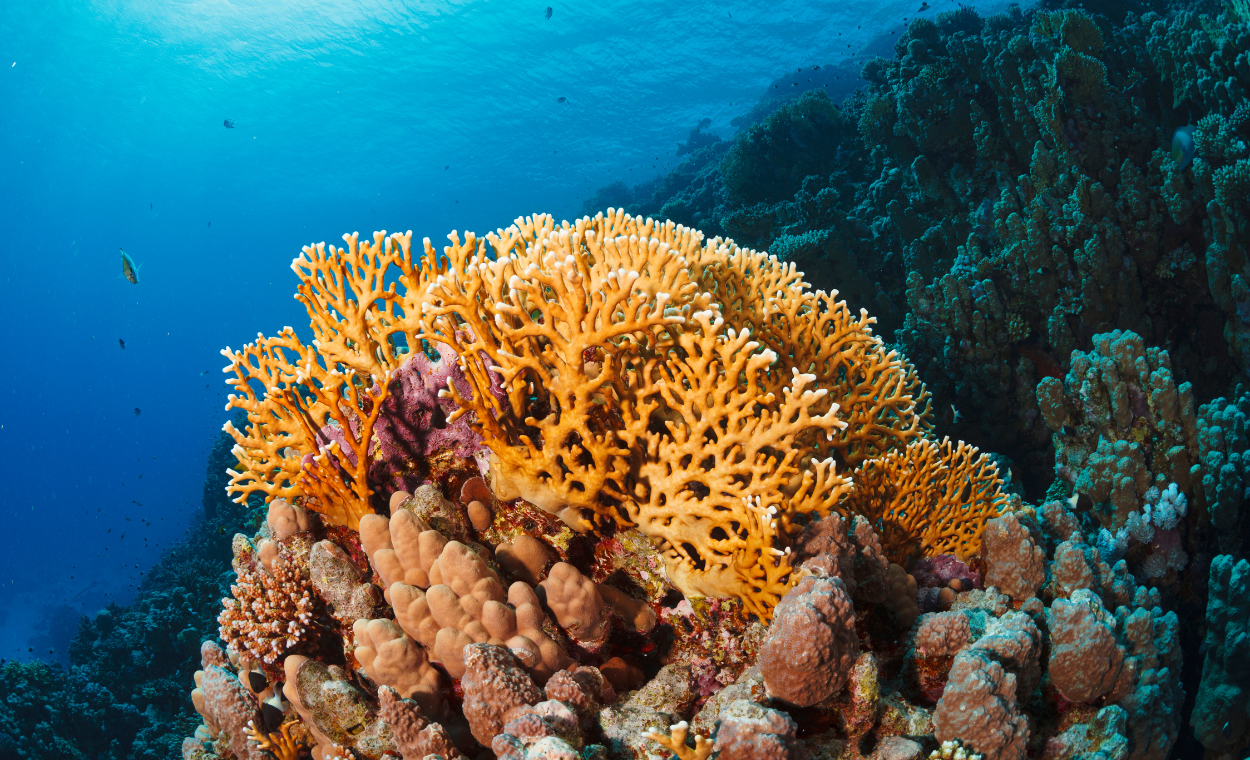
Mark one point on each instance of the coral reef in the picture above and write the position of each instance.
(610, 488)
(1220, 718)
(638, 386)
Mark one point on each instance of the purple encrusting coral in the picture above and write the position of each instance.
(412, 427)
(413, 424)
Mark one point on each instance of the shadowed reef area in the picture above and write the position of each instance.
(642, 485)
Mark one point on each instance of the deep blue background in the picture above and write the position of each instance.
(429, 116)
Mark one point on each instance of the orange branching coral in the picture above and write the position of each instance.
(268, 611)
(879, 394)
(676, 742)
(544, 329)
(279, 743)
(712, 492)
(622, 371)
(312, 408)
(929, 498)
(619, 369)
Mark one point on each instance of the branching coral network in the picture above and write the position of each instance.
(624, 373)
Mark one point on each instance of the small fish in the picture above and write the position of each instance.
(562, 99)
(210, 224)
(229, 123)
(121, 343)
(149, 207)
(1227, 730)
(730, 14)
(448, 166)
(952, 416)
(136, 411)
(1183, 146)
(129, 270)
(923, 7)
(205, 372)
(547, 15)
(704, 123)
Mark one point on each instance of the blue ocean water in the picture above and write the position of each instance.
(348, 116)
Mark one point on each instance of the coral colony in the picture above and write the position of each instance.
(617, 488)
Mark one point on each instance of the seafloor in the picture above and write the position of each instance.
(956, 469)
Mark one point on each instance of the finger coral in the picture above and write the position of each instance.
(390, 658)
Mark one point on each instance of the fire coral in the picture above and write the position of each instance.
(622, 372)
(629, 371)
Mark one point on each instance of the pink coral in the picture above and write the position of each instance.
(494, 684)
(979, 708)
(413, 423)
(943, 634)
(415, 737)
(811, 645)
(1016, 643)
(828, 547)
(1014, 563)
(750, 731)
(1085, 660)
(225, 703)
(584, 689)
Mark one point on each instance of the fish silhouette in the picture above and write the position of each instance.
(547, 15)
(136, 411)
(121, 343)
(228, 123)
(562, 100)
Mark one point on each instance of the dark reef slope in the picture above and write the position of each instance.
(125, 692)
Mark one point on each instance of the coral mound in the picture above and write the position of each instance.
(669, 487)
